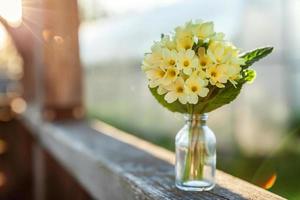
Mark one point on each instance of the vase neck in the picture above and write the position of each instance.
(196, 119)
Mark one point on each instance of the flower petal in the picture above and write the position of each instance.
(193, 98)
(190, 53)
(203, 92)
(182, 99)
(187, 71)
(161, 90)
(170, 97)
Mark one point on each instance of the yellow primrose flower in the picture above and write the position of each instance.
(232, 72)
(199, 72)
(204, 30)
(155, 76)
(169, 58)
(217, 52)
(217, 75)
(187, 61)
(153, 59)
(176, 91)
(233, 55)
(168, 43)
(170, 76)
(195, 87)
(184, 37)
(204, 59)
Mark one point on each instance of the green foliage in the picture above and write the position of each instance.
(255, 55)
(249, 75)
(222, 97)
(218, 97)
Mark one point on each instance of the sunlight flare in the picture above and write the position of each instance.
(270, 182)
(11, 11)
(2, 36)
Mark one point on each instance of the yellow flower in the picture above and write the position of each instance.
(195, 87)
(170, 76)
(223, 52)
(155, 76)
(199, 73)
(232, 72)
(204, 30)
(217, 52)
(204, 59)
(176, 91)
(187, 61)
(233, 55)
(228, 63)
(217, 75)
(153, 59)
(184, 37)
(168, 43)
(169, 58)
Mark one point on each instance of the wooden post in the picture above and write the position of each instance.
(24, 42)
(62, 74)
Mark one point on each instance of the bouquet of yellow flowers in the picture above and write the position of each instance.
(196, 70)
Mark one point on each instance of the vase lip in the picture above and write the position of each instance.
(202, 117)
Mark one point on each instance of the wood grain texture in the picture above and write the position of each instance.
(115, 166)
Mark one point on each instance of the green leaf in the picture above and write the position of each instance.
(249, 75)
(255, 55)
(223, 97)
(174, 107)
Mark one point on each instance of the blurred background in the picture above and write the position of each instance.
(258, 135)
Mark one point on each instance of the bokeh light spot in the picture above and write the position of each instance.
(18, 105)
(270, 182)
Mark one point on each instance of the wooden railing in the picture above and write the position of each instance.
(74, 159)
(110, 164)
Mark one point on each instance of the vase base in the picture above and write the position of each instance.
(196, 186)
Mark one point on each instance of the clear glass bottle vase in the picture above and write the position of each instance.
(195, 155)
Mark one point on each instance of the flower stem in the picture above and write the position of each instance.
(195, 156)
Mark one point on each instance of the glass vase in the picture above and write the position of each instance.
(195, 155)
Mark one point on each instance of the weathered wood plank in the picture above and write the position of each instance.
(116, 165)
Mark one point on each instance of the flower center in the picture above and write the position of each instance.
(203, 63)
(187, 46)
(172, 73)
(172, 62)
(180, 89)
(213, 74)
(161, 73)
(186, 63)
(194, 88)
